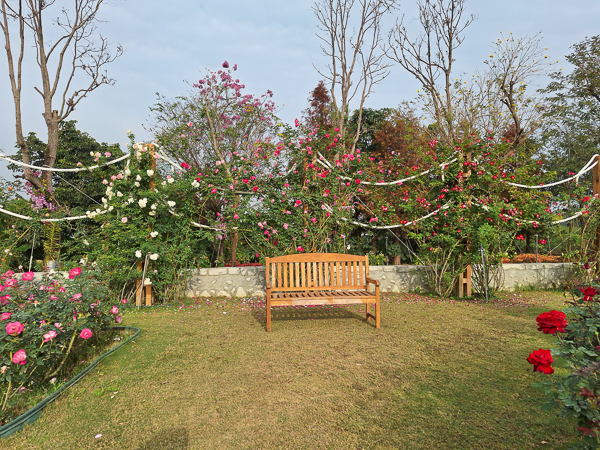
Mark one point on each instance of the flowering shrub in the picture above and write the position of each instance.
(576, 393)
(42, 324)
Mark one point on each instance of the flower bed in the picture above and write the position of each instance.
(531, 258)
(48, 325)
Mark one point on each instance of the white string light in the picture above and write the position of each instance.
(54, 169)
(589, 166)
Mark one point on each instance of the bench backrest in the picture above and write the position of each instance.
(317, 271)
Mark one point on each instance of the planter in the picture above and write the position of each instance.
(34, 413)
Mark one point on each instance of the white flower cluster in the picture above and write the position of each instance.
(143, 202)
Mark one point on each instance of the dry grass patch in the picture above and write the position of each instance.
(438, 374)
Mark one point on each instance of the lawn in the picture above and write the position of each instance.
(438, 374)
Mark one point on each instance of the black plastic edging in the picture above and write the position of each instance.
(34, 413)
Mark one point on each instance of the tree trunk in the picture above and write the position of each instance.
(397, 258)
(234, 242)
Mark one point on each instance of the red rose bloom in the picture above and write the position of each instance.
(552, 321)
(541, 360)
(588, 293)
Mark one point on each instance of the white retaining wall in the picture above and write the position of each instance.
(250, 281)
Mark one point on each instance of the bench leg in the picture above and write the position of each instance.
(268, 317)
(377, 315)
(368, 310)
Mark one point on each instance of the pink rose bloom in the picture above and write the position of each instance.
(124, 220)
(49, 335)
(86, 333)
(61, 289)
(5, 316)
(1, 288)
(77, 296)
(285, 225)
(10, 282)
(53, 297)
(74, 272)
(300, 249)
(20, 357)
(8, 274)
(28, 276)
(42, 287)
(118, 319)
(114, 310)
(124, 300)
(14, 328)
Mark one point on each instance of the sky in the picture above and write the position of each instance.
(274, 44)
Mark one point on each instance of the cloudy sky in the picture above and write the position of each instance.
(275, 46)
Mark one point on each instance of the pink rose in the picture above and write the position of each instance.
(5, 316)
(74, 272)
(10, 282)
(124, 300)
(28, 276)
(124, 220)
(1, 288)
(20, 357)
(77, 296)
(86, 333)
(53, 297)
(14, 328)
(114, 310)
(118, 319)
(300, 249)
(49, 335)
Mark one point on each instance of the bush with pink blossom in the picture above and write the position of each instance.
(44, 326)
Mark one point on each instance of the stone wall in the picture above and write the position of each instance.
(250, 281)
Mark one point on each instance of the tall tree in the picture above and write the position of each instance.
(318, 113)
(430, 56)
(61, 52)
(571, 131)
(351, 35)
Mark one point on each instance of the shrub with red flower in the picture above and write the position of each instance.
(551, 322)
(588, 293)
(541, 360)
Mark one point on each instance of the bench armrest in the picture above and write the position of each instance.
(371, 280)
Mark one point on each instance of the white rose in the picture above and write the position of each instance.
(153, 206)
(138, 155)
(154, 256)
(104, 200)
(138, 178)
(136, 184)
(85, 241)
(138, 254)
(142, 202)
(171, 180)
(152, 213)
(163, 183)
(154, 234)
(150, 172)
(127, 172)
(119, 194)
(171, 204)
(91, 153)
(111, 207)
(195, 184)
(147, 282)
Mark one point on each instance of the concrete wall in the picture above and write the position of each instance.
(250, 281)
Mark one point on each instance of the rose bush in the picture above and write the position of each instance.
(576, 390)
(42, 324)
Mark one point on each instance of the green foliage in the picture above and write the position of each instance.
(49, 322)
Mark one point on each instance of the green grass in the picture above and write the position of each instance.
(438, 374)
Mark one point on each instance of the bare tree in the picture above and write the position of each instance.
(72, 51)
(513, 65)
(353, 46)
(430, 55)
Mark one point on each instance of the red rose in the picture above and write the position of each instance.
(552, 321)
(541, 360)
(588, 293)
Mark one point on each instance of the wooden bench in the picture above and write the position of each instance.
(320, 279)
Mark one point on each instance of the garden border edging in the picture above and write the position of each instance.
(35, 412)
